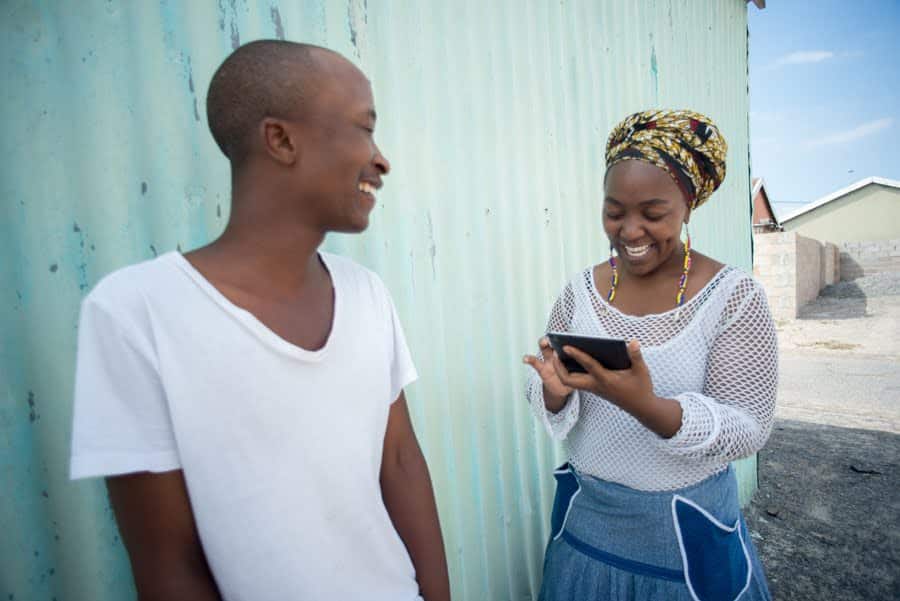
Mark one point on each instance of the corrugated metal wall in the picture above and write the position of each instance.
(494, 116)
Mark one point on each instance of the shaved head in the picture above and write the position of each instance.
(265, 78)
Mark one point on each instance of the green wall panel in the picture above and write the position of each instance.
(494, 116)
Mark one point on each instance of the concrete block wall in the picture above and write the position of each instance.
(793, 270)
(808, 270)
(863, 258)
(831, 264)
(775, 267)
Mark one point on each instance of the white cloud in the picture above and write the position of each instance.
(805, 57)
(866, 129)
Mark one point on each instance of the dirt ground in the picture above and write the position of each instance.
(826, 518)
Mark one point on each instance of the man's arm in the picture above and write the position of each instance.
(158, 529)
(409, 498)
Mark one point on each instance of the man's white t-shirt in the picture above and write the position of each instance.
(280, 446)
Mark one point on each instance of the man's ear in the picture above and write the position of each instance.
(280, 141)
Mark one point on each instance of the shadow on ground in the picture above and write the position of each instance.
(826, 518)
(844, 300)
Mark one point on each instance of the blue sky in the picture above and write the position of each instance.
(824, 96)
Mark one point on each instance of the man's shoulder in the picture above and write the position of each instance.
(346, 264)
(352, 270)
(126, 289)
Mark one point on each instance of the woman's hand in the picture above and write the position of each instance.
(630, 389)
(624, 387)
(555, 392)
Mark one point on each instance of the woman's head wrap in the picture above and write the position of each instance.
(687, 145)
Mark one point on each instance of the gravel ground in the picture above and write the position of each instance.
(826, 519)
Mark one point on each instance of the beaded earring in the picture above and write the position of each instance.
(686, 267)
(682, 281)
(615, 274)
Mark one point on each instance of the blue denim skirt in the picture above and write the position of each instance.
(609, 541)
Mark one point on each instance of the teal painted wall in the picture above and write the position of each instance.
(494, 116)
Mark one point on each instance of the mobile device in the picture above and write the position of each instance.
(611, 353)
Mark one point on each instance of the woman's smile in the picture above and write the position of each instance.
(636, 252)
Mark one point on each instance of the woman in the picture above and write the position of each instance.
(647, 506)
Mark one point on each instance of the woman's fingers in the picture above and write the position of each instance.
(548, 375)
(636, 356)
(590, 364)
(560, 369)
(593, 380)
(570, 379)
(543, 368)
(533, 362)
(634, 351)
(546, 349)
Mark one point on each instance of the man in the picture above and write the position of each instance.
(245, 400)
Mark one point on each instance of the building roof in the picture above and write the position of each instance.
(758, 184)
(840, 193)
(759, 191)
(760, 4)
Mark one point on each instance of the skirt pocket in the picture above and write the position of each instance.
(567, 487)
(715, 557)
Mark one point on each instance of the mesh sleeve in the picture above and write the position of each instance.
(733, 416)
(558, 425)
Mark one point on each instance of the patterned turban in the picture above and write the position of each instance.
(685, 144)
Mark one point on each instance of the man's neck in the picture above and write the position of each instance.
(272, 259)
(267, 248)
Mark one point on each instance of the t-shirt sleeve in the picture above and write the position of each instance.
(121, 422)
(403, 370)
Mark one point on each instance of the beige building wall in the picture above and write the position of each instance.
(869, 213)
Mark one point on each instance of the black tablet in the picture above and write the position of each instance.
(608, 352)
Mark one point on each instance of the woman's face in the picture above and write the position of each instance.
(643, 213)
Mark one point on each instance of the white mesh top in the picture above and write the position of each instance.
(717, 355)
